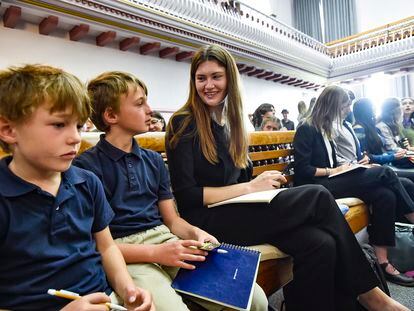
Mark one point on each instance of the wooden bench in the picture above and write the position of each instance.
(268, 151)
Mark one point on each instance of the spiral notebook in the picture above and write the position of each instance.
(224, 278)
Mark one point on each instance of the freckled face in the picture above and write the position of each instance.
(211, 83)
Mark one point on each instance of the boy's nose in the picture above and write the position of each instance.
(74, 136)
(148, 108)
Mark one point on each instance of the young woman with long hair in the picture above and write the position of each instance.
(302, 109)
(407, 104)
(263, 111)
(316, 159)
(374, 144)
(390, 125)
(208, 161)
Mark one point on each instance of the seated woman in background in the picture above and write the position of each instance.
(207, 152)
(157, 122)
(316, 159)
(263, 111)
(407, 104)
(390, 127)
(301, 111)
(373, 143)
(271, 124)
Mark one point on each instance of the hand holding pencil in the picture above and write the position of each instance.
(95, 301)
(100, 301)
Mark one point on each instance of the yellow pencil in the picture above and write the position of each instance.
(73, 296)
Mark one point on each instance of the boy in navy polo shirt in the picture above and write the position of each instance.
(146, 225)
(53, 217)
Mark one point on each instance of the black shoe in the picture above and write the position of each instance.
(399, 279)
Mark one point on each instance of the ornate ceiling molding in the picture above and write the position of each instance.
(264, 47)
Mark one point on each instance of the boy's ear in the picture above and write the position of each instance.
(110, 116)
(7, 131)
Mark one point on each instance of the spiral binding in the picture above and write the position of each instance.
(237, 247)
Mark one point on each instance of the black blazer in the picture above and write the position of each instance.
(310, 153)
(190, 171)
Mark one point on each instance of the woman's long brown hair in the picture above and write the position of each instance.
(327, 109)
(195, 109)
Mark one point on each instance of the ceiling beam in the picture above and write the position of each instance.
(265, 74)
(282, 78)
(182, 56)
(247, 69)
(105, 38)
(149, 47)
(48, 24)
(274, 76)
(128, 43)
(164, 53)
(78, 32)
(255, 72)
(12, 16)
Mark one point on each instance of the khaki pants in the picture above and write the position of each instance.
(157, 278)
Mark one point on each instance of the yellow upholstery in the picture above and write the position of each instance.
(268, 252)
(358, 214)
(2, 153)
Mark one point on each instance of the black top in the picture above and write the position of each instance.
(310, 153)
(190, 171)
(288, 124)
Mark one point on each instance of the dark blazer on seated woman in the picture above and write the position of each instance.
(191, 171)
(310, 153)
(378, 186)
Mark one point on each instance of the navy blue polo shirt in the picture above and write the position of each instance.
(134, 183)
(47, 241)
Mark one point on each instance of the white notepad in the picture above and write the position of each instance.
(254, 197)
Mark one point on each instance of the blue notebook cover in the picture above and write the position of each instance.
(224, 278)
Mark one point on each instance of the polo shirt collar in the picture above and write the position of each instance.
(14, 186)
(115, 153)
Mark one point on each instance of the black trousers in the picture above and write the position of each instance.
(406, 171)
(329, 271)
(390, 197)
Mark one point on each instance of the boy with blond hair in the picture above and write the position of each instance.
(53, 217)
(153, 238)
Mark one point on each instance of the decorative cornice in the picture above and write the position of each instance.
(264, 48)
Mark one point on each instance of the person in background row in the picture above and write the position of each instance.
(271, 124)
(207, 151)
(407, 104)
(301, 110)
(308, 112)
(324, 140)
(373, 143)
(390, 125)
(89, 126)
(350, 116)
(157, 122)
(263, 111)
(286, 123)
(311, 104)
